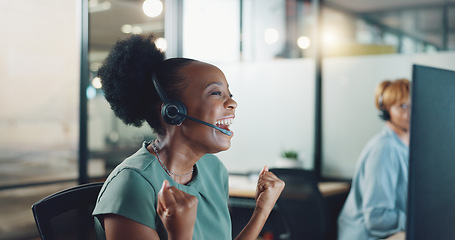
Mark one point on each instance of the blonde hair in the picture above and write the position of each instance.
(392, 92)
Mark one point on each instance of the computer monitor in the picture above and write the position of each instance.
(431, 196)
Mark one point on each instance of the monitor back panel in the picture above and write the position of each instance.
(431, 196)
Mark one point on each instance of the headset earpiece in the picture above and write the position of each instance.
(173, 112)
(383, 113)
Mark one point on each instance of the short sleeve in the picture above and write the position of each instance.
(130, 195)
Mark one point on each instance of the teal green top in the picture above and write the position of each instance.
(132, 188)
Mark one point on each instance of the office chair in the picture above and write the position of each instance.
(302, 205)
(67, 214)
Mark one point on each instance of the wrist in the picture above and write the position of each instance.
(181, 234)
(260, 208)
(261, 213)
(186, 236)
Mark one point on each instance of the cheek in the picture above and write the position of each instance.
(399, 115)
(394, 114)
(203, 112)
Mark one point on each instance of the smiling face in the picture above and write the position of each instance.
(207, 97)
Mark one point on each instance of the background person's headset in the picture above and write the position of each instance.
(383, 113)
(174, 112)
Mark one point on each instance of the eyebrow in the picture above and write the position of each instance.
(214, 83)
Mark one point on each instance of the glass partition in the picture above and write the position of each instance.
(39, 107)
(109, 140)
(39, 92)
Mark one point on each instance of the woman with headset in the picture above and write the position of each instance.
(376, 205)
(172, 187)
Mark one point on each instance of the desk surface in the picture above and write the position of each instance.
(242, 186)
(397, 236)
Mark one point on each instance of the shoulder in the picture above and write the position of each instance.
(140, 160)
(382, 152)
(142, 163)
(384, 142)
(134, 174)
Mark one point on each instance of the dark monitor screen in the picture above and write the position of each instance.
(431, 196)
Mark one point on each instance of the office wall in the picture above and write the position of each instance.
(349, 115)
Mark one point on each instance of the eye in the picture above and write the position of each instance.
(405, 106)
(217, 93)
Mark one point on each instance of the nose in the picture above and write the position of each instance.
(231, 103)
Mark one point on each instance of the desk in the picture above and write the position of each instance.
(242, 186)
(242, 190)
(397, 236)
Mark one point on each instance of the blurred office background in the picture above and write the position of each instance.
(302, 71)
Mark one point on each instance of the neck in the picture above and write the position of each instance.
(402, 133)
(178, 159)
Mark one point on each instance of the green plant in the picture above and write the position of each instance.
(290, 154)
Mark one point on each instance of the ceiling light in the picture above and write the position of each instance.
(161, 44)
(96, 83)
(271, 35)
(330, 37)
(96, 6)
(303, 42)
(152, 8)
(127, 28)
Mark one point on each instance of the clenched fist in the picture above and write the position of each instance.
(177, 211)
(268, 190)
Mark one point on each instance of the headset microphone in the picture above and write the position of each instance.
(396, 125)
(227, 132)
(174, 112)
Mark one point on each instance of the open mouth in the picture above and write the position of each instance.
(224, 123)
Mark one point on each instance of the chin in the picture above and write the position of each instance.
(222, 147)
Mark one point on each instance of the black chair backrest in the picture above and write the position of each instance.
(67, 214)
(302, 204)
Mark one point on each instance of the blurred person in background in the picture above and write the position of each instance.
(376, 205)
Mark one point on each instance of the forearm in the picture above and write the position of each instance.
(254, 226)
(382, 222)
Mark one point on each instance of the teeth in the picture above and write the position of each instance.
(224, 121)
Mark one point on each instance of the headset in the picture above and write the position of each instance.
(385, 115)
(174, 112)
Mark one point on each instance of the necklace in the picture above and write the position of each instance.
(164, 166)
